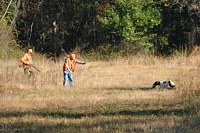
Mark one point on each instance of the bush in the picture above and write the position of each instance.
(8, 46)
(109, 52)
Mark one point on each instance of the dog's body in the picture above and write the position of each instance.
(164, 84)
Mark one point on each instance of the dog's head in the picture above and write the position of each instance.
(155, 84)
(171, 84)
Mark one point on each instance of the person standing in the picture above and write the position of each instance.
(69, 67)
(26, 59)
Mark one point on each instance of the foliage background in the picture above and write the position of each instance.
(80, 26)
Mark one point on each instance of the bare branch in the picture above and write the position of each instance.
(6, 10)
(34, 20)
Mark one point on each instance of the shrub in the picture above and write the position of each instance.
(8, 45)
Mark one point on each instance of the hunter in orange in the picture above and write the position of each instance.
(69, 66)
(26, 59)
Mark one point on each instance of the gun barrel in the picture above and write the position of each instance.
(35, 68)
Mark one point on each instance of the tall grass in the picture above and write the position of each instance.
(109, 96)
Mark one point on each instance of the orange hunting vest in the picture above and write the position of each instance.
(26, 58)
(69, 65)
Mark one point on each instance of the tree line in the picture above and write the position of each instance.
(127, 27)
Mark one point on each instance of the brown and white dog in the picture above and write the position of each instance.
(164, 84)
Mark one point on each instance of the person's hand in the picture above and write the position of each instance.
(30, 64)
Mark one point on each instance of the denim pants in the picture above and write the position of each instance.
(68, 75)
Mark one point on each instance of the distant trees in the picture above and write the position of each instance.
(166, 26)
(180, 27)
(131, 20)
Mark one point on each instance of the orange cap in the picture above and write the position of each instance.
(30, 50)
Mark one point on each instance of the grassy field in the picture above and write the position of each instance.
(108, 97)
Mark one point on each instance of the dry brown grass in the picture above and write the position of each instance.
(102, 83)
(120, 79)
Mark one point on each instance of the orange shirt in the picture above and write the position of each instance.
(69, 65)
(26, 59)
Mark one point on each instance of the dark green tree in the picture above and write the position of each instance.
(180, 25)
(131, 20)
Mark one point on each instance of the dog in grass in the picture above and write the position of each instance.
(164, 84)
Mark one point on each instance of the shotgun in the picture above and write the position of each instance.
(35, 68)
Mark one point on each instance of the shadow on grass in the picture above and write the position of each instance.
(157, 88)
(65, 113)
(126, 88)
(107, 125)
(137, 88)
(111, 125)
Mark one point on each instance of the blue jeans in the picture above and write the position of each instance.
(68, 75)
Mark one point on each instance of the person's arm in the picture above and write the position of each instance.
(80, 62)
(24, 59)
(67, 65)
